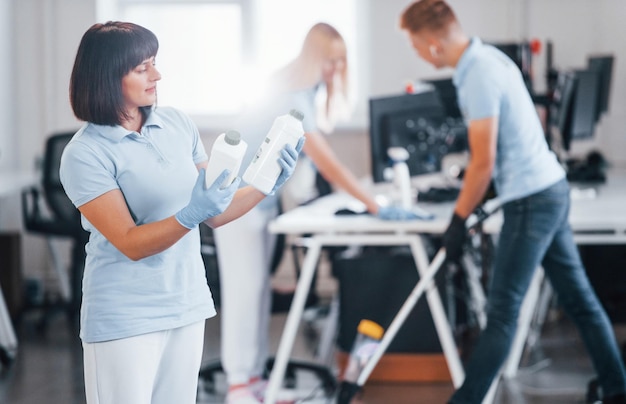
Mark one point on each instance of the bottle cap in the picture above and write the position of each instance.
(296, 114)
(371, 329)
(232, 137)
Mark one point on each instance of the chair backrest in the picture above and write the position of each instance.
(55, 196)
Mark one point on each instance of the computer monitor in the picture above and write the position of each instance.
(561, 107)
(586, 104)
(575, 105)
(603, 64)
(417, 122)
(447, 92)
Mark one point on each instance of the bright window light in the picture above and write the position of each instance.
(215, 56)
(200, 54)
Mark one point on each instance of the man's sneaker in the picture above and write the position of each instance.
(241, 395)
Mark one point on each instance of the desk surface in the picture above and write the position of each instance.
(606, 211)
(603, 212)
(596, 208)
(12, 182)
(319, 217)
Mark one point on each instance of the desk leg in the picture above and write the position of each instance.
(491, 393)
(422, 285)
(64, 282)
(8, 339)
(477, 301)
(527, 310)
(439, 315)
(327, 339)
(529, 305)
(293, 320)
(543, 305)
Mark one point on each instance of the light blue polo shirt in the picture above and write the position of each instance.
(155, 170)
(489, 84)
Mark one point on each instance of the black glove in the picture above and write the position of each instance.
(454, 238)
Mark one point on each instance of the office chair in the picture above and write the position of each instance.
(61, 220)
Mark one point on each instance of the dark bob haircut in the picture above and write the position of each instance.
(107, 52)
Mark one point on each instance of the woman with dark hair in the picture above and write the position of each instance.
(136, 174)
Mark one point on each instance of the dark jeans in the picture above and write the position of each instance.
(536, 232)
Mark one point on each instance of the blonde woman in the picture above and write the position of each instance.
(315, 83)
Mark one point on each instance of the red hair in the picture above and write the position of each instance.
(432, 15)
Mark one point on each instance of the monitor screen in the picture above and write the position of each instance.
(604, 66)
(575, 105)
(417, 122)
(447, 92)
(561, 107)
(585, 107)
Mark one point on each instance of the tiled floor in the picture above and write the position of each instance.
(48, 366)
(48, 369)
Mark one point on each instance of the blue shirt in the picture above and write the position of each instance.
(489, 84)
(155, 170)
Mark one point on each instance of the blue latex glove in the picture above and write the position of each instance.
(207, 202)
(398, 213)
(288, 159)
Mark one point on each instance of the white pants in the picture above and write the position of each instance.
(244, 251)
(156, 368)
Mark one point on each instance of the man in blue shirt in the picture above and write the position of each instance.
(507, 144)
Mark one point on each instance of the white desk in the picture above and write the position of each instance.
(12, 182)
(328, 229)
(600, 220)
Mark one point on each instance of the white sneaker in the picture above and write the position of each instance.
(241, 395)
(258, 388)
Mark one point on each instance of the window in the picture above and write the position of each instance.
(216, 54)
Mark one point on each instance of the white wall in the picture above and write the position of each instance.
(6, 83)
(47, 32)
(392, 60)
(577, 29)
(39, 38)
(44, 37)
